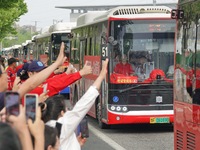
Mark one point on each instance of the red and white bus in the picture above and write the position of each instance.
(49, 40)
(137, 32)
(187, 76)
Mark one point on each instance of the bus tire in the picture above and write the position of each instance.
(101, 124)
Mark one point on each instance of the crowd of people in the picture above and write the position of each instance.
(18, 133)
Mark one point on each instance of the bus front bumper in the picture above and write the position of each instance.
(134, 117)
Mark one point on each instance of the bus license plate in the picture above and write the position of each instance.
(159, 120)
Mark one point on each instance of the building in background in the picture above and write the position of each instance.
(77, 10)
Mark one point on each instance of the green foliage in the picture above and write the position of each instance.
(7, 3)
(10, 11)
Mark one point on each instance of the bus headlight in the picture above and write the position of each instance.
(118, 108)
(112, 108)
(124, 108)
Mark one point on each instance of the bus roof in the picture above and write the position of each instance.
(62, 27)
(44, 33)
(47, 34)
(16, 46)
(27, 42)
(45, 29)
(122, 12)
(7, 49)
(88, 17)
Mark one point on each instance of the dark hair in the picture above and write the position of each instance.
(9, 139)
(2, 61)
(0, 70)
(55, 105)
(24, 73)
(50, 135)
(11, 61)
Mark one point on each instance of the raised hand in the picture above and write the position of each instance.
(81, 140)
(36, 127)
(87, 69)
(70, 69)
(16, 84)
(43, 97)
(102, 75)
(18, 122)
(104, 68)
(37, 130)
(61, 57)
(3, 115)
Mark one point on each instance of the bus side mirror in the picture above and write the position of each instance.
(112, 41)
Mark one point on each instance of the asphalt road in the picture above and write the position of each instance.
(136, 137)
(129, 137)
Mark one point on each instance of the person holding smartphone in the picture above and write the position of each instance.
(21, 128)
(71, 119)
(32, 82)
(23, 131)
(41, 76)
(54, 110)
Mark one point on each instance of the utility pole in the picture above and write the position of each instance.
(36, 25)
(154, 2)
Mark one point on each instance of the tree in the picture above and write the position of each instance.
(10, 11)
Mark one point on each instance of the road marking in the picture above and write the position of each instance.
(105, 138)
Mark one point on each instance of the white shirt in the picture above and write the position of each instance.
(71, 120)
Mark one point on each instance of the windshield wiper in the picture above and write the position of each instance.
(133, 87)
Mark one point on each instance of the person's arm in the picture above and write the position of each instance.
(19, 124)
(37, 79)
(72, 118)
(59, 82)
(37, 130)
(16, 84)
(81, 140)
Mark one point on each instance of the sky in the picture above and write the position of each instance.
(43, 13)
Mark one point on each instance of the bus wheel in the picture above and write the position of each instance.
(99, 117)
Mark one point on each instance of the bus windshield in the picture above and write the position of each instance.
(57, 38)
(141, 46)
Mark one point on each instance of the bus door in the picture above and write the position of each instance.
(105, 53)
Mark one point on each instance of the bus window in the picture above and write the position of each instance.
(90, 47)
(147, 45)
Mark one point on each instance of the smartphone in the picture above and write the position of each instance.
(31, 104)
(12, 102)
(84, 128)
